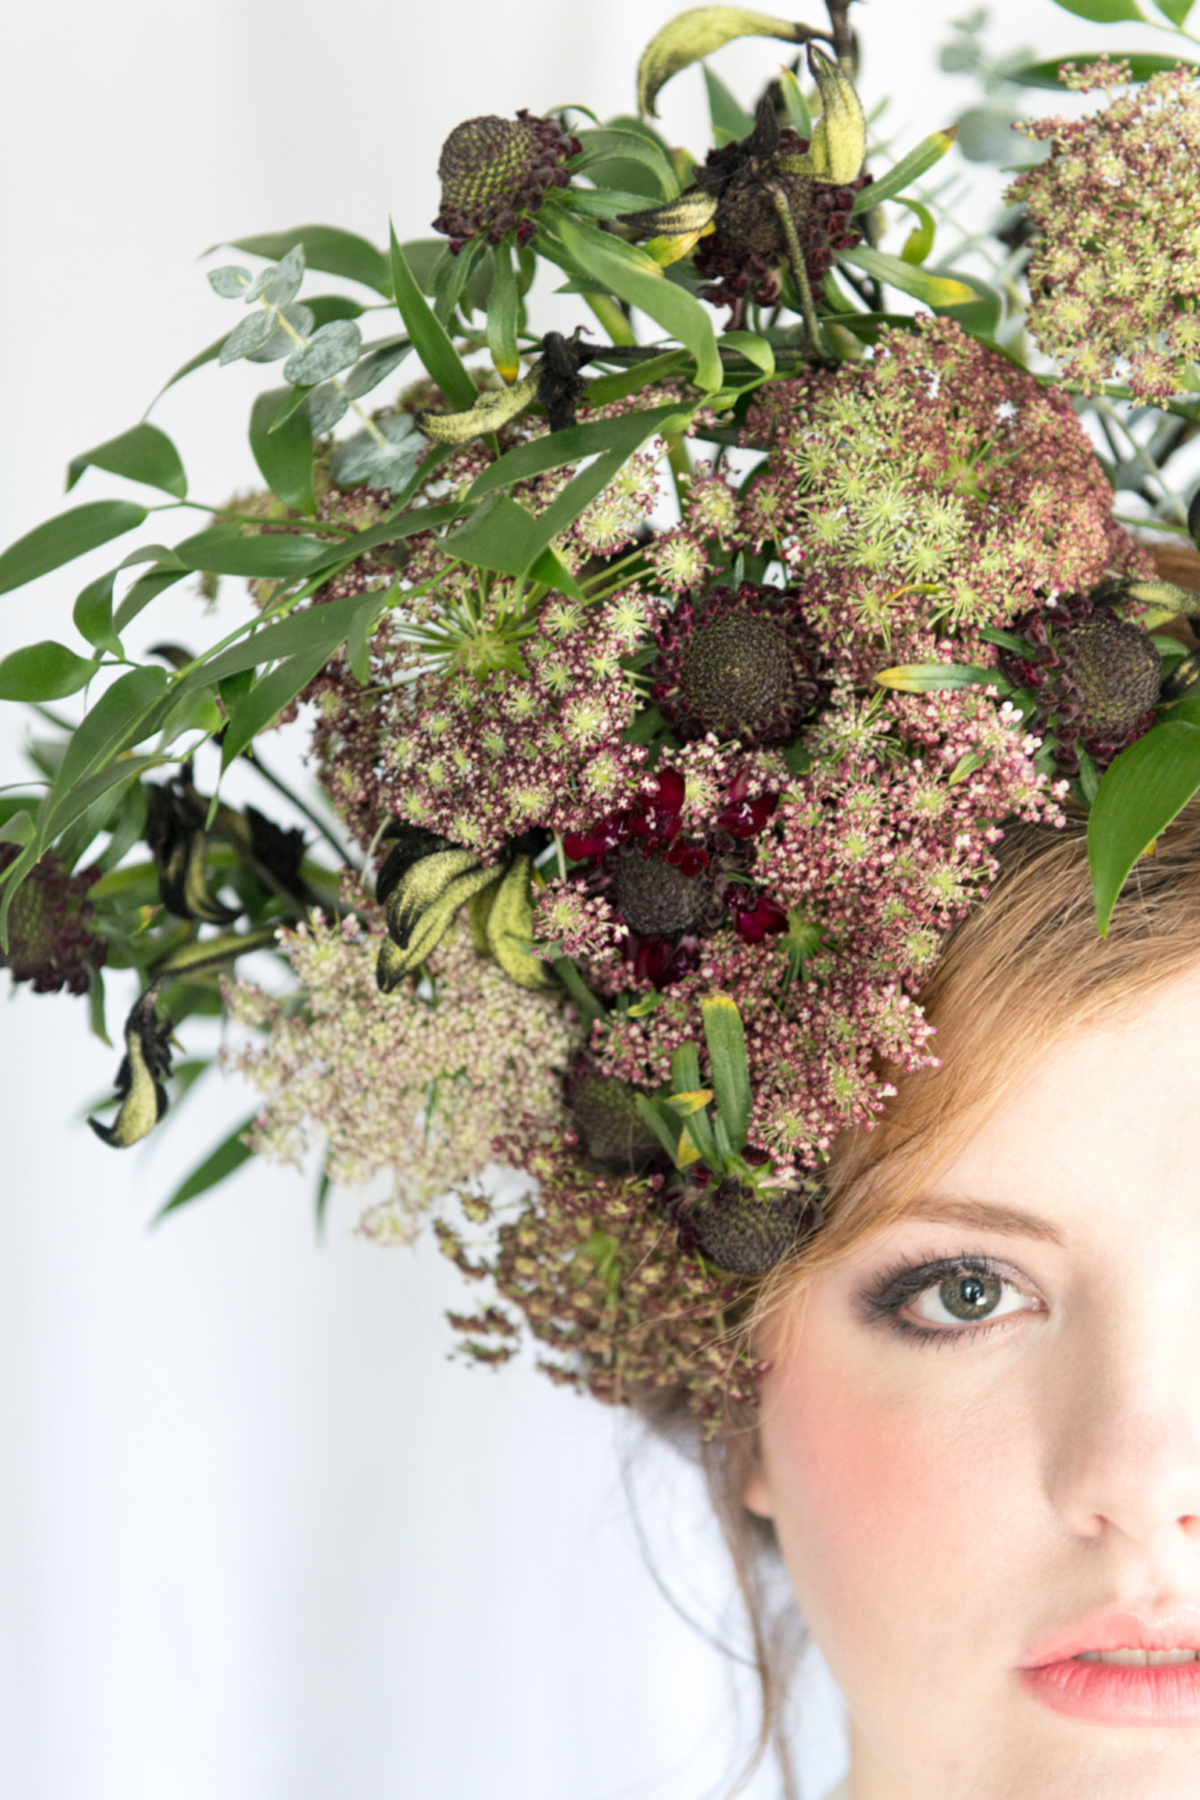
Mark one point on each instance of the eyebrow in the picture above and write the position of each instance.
(978, 1215)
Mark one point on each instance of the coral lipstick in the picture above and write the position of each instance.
(1119, 1667)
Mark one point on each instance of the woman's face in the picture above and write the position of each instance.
(981, 1444)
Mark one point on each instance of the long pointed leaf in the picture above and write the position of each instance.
(1142, 791)
(725, 1036)
(220, 1163)
(910, 168)
(429, 337)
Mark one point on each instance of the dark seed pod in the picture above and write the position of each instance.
(496, 172)
(614, 1140)
(49, 943)
(741, 1231)
(657, 898)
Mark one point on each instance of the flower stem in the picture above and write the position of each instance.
(800, 274)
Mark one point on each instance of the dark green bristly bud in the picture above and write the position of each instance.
(615, 1139)
(139, 1084)
(495, 174)
(1115, 671)
(742, 1231)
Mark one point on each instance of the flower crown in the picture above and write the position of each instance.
(676, 707)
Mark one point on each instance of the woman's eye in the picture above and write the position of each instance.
(969, 1296)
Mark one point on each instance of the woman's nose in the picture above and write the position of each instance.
(1125, 1454)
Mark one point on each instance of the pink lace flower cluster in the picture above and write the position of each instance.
(1114, 278)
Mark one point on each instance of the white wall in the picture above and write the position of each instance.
(258, 1539)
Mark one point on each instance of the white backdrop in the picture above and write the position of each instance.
(259, 1540)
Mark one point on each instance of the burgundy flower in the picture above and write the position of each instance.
(1096, 675)
(49, 943)
(745, 665)
(496, 172)
(671, 887)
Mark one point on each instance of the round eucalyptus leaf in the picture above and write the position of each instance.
(251, 333)
(326, 405)
(281, 340)
(331, 348)
(231, 282)
(280, 284)
(375, 367)
(386, 465)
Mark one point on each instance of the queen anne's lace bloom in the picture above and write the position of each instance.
(416, 1086)
(1114, 279)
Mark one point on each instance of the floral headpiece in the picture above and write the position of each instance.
(676, 707)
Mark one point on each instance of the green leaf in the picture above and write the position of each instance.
(934, 290)
(631, 381)
(93, 614)
(1175, 10)
(605, 151)
(193, 363)
(384, 465)
(635, 277)
(919, 241)
(285, 555)
(981, 315)
(504, 305)
(318, 628)
(107, 728)
(45, 671)
(329, 350)
(220, 1163)
(726, 1039)
(1142, 791)
(328, 249)
(935, 678)
(18, 828)
(1102, 12)
(429, 336)
(557, 448)
(728, 117)
(661, 1122)
(284, 455)
(143, 454)
(60, 540)
(145, 589)
(797, 105)
(267, 698)
(755, 349)
(500, 536)
(910, 168)
(1142, 64)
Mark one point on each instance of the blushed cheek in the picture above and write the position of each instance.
(891, 1516)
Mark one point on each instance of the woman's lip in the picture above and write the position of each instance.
(1175, 1627)
(1118, 1694)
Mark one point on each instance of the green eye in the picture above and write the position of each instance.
(970, 1295)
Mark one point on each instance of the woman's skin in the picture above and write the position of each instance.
(944, 1507)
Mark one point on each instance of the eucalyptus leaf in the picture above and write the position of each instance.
(231, 281)
(386, 465)
(1143, 789)
(331, 349)
(44, 671)
(293, 322)
(326, 405)
(60, 540)
(378, 362)
(280, 285)
(329, 249)
(143, 453)
(250, 334)
(284, 456)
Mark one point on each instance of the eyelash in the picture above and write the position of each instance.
(906, 1281)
